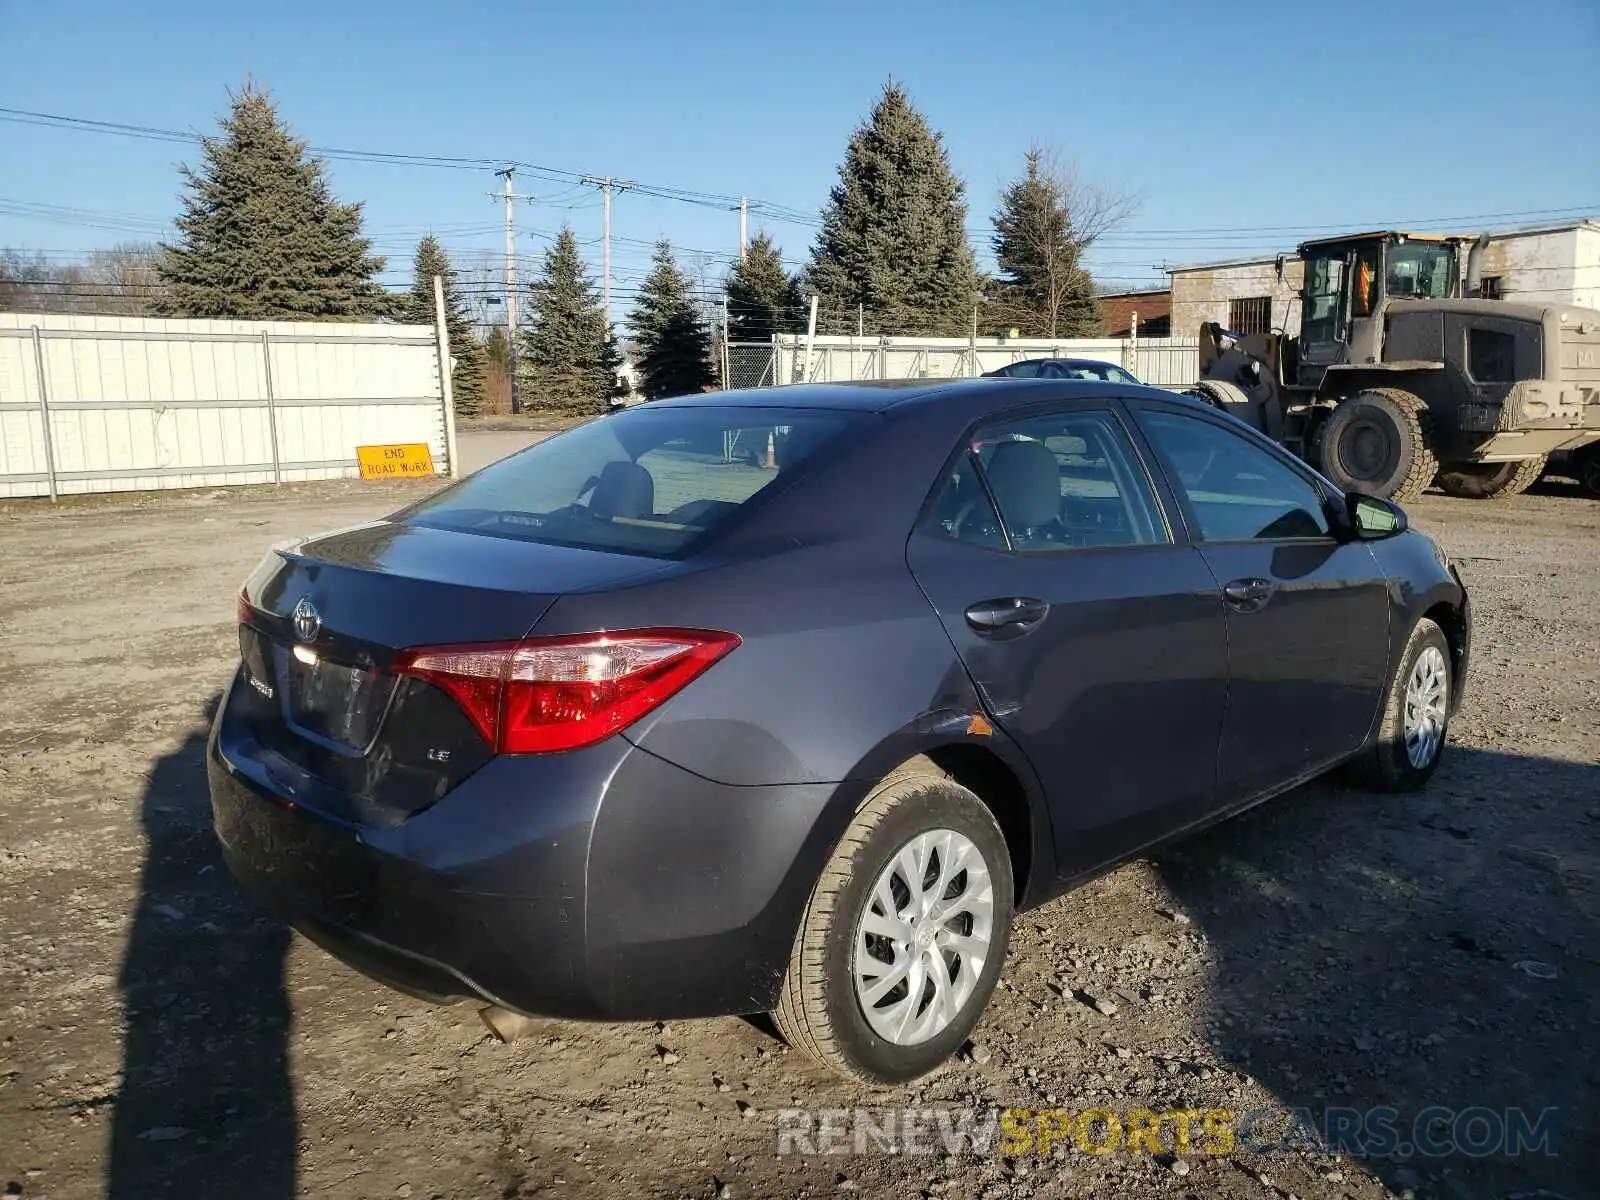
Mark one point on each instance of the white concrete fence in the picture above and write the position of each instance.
(1163, 362)
(104, 404)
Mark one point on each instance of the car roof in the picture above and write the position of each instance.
(980, 395)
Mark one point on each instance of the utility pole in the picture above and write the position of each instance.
(744, 227)
(607, 185)
(511, 285)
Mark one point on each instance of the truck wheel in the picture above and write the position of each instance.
(1587, 467)
(902, 941)
(1377, 442)
(1490, 481)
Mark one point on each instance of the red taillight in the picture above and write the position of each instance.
(242, 608)
(559, 693)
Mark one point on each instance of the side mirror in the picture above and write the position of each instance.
(1371, 518)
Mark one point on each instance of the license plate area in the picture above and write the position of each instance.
(332, 703)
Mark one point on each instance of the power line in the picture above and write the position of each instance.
(20, 116)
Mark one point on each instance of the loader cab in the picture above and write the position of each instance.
(1347, 281)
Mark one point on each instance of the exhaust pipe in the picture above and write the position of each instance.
(504, 1024)
(1473, 284)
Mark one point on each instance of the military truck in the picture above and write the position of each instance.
(1403, 375)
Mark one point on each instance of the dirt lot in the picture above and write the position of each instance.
(158, 1037)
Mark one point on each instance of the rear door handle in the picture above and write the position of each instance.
(1247, 595)
(1014, 614)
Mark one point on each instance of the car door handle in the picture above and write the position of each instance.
(1010, 613)
(1247, 595)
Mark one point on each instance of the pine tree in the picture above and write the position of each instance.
(416, 306)
(762, 298)
(497, 348)
(1043, 290)
(671, 340)
(261, 235)
(569, 359)
(893, 236)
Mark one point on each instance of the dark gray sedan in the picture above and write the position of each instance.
(1062, 368)
(788, 700)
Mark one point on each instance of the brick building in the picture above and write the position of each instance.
(1153, 307)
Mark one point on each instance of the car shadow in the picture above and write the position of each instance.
(205, 1106)
(1406, 952)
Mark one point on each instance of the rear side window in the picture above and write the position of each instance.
(645, 481)
(1063, 481)
(1237, 491)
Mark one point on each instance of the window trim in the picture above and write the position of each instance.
(1324, 491)
(1177, 534)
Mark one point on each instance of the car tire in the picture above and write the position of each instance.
(1391, 763)
(1378, 441)
(1490, 481)
(822, 1010)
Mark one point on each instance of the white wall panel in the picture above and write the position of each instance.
(187, 404)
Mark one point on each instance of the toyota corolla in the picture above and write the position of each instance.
(786, 701)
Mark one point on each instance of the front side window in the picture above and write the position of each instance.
(1063, 481)
(649, 480)
(1236, 490)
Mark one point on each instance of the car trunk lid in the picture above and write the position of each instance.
(320, 712)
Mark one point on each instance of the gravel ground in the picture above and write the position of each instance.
(159, 1037)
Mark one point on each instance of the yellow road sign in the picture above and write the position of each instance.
(394, 462)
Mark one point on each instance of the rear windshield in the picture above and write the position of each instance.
(645, 481)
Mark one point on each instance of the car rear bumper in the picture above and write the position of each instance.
(601, 883)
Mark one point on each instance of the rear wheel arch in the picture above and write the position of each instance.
(988, 776)
(991, 769)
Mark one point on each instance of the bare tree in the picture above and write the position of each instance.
(481, 276)
(131, 271)
(1047, 220)
(121, 281)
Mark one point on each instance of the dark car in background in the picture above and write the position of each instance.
(633, 725)
(1063, 368)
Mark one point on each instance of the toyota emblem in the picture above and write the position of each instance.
(307, 621)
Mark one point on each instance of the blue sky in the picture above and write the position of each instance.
(1240, 126)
